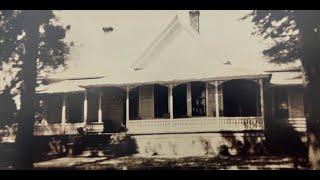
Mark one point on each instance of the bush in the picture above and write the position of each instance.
(224, 150)
(123, 144)
(56, 147)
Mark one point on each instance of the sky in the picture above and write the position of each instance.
(97, 53)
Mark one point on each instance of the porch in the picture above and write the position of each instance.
(156, 126)
(185, 107)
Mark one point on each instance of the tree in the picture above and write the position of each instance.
(296, 38)
(7, 108)
(32, 43)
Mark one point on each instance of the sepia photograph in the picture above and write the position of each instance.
(159, 90)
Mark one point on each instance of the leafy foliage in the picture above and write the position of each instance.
(284, 27)
(52, 50)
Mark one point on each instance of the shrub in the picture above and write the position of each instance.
(123, 144)
(224, 150)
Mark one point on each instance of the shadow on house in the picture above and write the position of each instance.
(285, 140)
(281, 141)
(245, 144)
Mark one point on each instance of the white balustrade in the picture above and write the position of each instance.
(94, 127)
(201, 124)
(154, 126)
(57, 129)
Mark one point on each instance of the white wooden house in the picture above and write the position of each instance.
(175, 99)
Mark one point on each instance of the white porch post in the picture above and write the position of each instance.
(216, 98)
(63, 114)
(85, 108)
(127, 106)
(261, 97)
(189, 100)
(100, 108)
(170, 101)
(207, 100)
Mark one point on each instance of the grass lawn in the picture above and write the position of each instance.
(135, 162)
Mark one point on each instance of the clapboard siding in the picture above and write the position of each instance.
(297, 124)
(146, 103)
(296, 117)
(113, 110)
(295, 98)
(296, 109)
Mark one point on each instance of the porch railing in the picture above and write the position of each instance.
(57, 129)
(95, 127)
(202, 124)
(153, 126)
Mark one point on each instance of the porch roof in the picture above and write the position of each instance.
(139, 78)
(286, 78)
(61, 87)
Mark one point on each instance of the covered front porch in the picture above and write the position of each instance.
(171, 107)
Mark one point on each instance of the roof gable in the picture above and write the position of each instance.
(169, 33)
(178, 52)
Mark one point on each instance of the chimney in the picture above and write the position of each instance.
(194, 20)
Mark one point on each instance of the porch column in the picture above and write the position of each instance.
(216, 98)
(63, 114)
(261, 97)
(189, 100)
(170, 101)
(100, 108)
(85, 108)
(207, 100)
(127, 106)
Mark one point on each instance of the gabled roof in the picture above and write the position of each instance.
(178, 51)
(175, 55)
(173, 27)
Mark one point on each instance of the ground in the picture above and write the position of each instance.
(134, 162)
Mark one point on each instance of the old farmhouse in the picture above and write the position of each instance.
(176, 99)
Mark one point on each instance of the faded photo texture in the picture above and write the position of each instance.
(174, 89)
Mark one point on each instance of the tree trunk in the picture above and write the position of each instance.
(310, 59)
(24, 142)
(312, 111)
